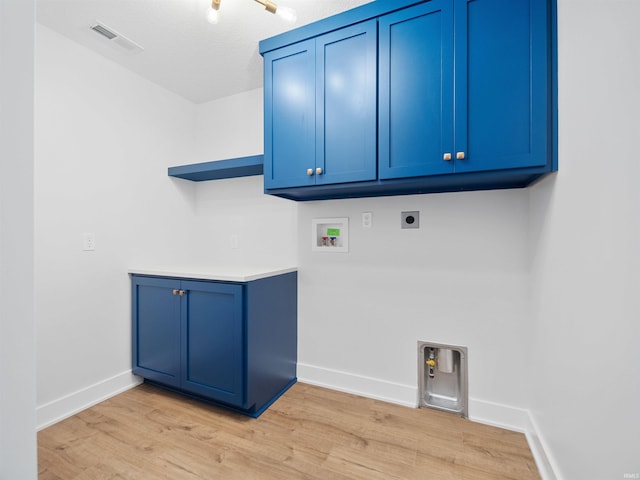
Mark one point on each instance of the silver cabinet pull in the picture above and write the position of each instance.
(460, 156)
(447, 157)
(319, 171)
(310, 171)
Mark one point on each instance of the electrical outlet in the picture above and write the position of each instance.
(367, 219)
(88, 242)
(410, 219)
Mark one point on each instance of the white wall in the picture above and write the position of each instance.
(230, 127)
(104, 140)
(459, 279)
(17, 328)
(585, 251)
(540, 284)
(263, 227)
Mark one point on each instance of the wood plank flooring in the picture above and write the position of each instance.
(309, 433)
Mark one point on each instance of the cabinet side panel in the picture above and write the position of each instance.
(506, 85)
(272, 336)
(156, 330)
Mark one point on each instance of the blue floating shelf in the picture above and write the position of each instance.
(217, 170)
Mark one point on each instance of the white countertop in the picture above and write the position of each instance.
(223, 274)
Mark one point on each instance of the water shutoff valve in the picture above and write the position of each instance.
(431, 362)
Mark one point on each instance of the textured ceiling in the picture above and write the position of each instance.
(183, 52)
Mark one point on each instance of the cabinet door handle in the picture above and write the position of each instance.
(182, 293)
(176, 291)
(310, 171)
(447, 157)
(319, 171)
(460, 156)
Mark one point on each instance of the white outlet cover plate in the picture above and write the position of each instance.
(367, 219)
(88, 242)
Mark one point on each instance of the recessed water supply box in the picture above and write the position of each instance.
(442, 377)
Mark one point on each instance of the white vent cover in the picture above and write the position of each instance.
(116, 38)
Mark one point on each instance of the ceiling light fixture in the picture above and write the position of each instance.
(287, 14)
(213, 15)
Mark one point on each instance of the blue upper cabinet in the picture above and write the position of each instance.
(346, 72)
(290, 115)
(416, 90)
(502, 87)
(320, 110)
(499, 121)
(412, 97)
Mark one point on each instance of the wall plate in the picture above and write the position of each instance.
(410, 219)
(330, 235)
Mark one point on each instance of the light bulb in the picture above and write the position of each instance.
(287, 14)
(213, 16)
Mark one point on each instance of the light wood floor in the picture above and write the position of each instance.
(309, 433)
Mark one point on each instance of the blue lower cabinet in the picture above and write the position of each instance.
(233, 344)
(212, 341)
(156, 330)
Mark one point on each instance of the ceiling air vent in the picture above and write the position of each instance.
(105, 32)
(116, 38)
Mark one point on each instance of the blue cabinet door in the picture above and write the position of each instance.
(416, 98)
(346, 86)
(156, 329)
(289, 116)
(320, 110)
(212, 341)
(501, 65)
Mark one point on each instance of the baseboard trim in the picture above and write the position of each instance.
(547, 466)
(498, 415)
(480, 411)
(519, 420)
(358, 385)
(64, 407)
